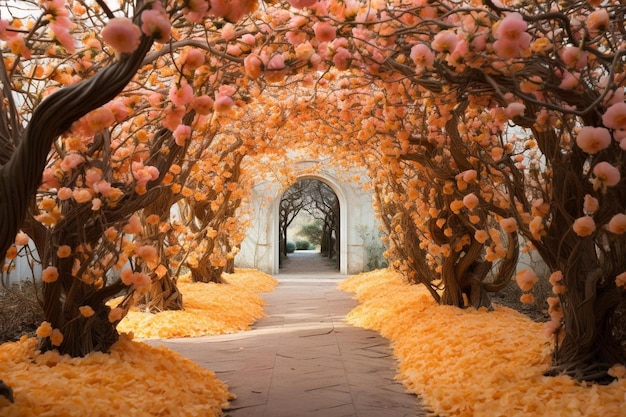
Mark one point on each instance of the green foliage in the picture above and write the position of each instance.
(312, 232)
(291, 247)
(302, 245)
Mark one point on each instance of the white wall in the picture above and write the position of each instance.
(260, 247)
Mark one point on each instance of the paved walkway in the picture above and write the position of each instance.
(302, 360)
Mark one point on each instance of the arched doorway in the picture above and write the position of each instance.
(261, 249)
(316, 205)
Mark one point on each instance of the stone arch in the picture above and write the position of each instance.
(260, 248)
(343, 223)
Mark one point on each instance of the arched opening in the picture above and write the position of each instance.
(309, 220)
(261, 250)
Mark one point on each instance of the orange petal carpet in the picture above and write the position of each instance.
(135, 379)
(209, 308)
(473, 363)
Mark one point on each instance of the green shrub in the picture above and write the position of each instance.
(291, 247)
(302, 245)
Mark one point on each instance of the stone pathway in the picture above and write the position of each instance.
(302, 360)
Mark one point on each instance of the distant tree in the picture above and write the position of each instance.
(312, 232)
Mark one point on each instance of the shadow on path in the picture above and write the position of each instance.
(303, 360)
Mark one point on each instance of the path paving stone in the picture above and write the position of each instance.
(303, 360)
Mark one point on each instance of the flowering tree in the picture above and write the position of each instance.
(553, 69)
(557, 71)
(106, 162)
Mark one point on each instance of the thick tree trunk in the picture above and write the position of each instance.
(163, 295)
(589, 347)
(206, 272)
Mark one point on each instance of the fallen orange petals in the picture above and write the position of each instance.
(136, 379)
(209, 308)
(133, 380)
(473, 363)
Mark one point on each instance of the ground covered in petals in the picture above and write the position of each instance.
(473, 363)
(136, 379)
(133, 380)
(209, 308)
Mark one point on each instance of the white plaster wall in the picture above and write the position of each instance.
(260, 247)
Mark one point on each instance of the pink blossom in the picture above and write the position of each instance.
(192, 58)
(64, 193)
(511, 36)
(60, 29)
(202, 105)
(301, 4)
(231, 10)
(422, 56)
(122, 35)
(182, 94)
(536, 227)
(590, 204)
(573, 57)
(92, 175)
(71, 161)
(103, 187)
(506, 49)
(141, 282)
(195, 10)
(100, 119)
(147, 253)
(50, 274)
(253, 66)
(173, 117)
(593, 139)
(4, 33)
(324, 31)
(143, 174)
(127, 276)
(617, 224)
(21, 239)
(445, 41)
(81, 195)
(296, 38)
(469, 175)
(470, 201)
(275, 68)
(304, 51)
(116, 314)
(223, 104)
(119, 110)
(228, 32)
(597, 21)
(248, 39)
(584, 226)
(606, 175)
(481, 236)
(555, 278)
(49, 180)
(156, 23)
(615, 116)
(511, 27)
(341, 59)
(134, 225)
(569, 81)
(181, 134)
(96, 204)
(508, 224)
(526, 279)
(514, 109)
